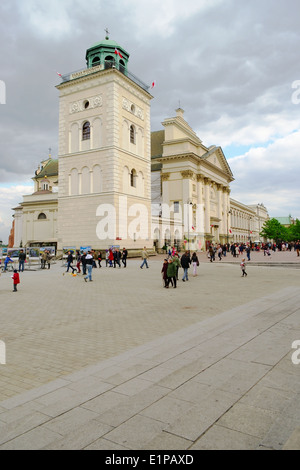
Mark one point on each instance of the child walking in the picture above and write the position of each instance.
(16, 280)
(243, 267)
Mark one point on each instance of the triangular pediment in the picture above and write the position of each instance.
(216, 157)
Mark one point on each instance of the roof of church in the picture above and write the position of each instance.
(157, 138)
(105, 42)
(284, 220)
(50, 169)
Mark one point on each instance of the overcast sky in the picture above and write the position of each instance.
(232, 64)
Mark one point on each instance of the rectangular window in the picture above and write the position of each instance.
(176, 207)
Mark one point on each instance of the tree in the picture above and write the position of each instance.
(273, 230)
(294, 231)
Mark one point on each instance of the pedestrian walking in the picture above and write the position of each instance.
(69, 261)
(176, 261)
(110, 257)
(48, 258)
(117, 258)
(195, 263)
(7, 261)
(145, 257)
(243, 267)
(44, 259)
(124, 257)
(99, 259)
(78, 259)
(212, 253)
(164, 273)
(16, 280)
(89, 265)
(248, 251)
(185, 264)
(171, 273)
(83, 262)
(22, 258)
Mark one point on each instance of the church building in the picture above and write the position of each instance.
(114, 182)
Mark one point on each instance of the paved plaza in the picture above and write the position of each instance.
(121, 363)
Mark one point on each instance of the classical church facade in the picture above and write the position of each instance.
(115, 182)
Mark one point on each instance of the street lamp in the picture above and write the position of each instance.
(189, 202)
(228, 213)
(250, 218)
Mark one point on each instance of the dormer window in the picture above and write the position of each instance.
(86, 131)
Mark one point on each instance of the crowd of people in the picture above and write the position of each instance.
(86, 261)
(237, 249)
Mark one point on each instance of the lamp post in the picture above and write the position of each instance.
(250, 218)
(189, 203)
(228, 213)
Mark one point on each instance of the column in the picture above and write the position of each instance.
(200, 216)
(207, 182)
(220, 215)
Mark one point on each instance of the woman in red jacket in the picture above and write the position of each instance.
(16, 280)
(110, 257)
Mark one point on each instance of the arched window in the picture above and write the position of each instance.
(133, 177)
(109, 62)
(95, 61)
(86, 131)
(132, 134)
(42, 216)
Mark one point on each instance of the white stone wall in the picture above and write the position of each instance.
(115, 104)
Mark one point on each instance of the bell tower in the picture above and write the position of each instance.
(104, 195)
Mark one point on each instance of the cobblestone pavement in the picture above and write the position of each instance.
(56, 324)
(57, 327)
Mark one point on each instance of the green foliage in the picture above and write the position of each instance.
(294, 231)
(274, 230)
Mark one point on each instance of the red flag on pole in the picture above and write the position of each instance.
(118, 53)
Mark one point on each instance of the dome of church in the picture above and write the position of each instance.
(106, 51)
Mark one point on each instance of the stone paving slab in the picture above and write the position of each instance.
(208, 385)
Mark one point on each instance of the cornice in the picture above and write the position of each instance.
(102, 73)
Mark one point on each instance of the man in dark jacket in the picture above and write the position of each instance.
(22, 258)
(124, 257)
(185, 263)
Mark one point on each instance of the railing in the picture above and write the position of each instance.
(99, 67)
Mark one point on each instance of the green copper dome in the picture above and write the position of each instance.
(108, 54)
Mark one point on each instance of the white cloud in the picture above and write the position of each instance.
(10, 197)
(270, 175)
(48, 18)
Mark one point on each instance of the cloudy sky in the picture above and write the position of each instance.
(233, 65)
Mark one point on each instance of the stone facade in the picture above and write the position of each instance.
(109, 167)
(115, 183)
